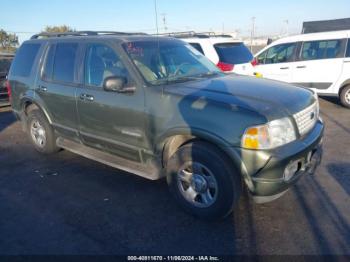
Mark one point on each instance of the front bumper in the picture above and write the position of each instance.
(264, 171)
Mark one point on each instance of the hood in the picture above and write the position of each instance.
(272, 99)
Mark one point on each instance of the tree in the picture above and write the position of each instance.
(8, 41)
(58, 29)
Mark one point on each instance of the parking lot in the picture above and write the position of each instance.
(66, 204)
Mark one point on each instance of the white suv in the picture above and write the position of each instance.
(320, 61)
(229, 54)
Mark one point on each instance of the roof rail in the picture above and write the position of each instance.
(193, 34)
(83, 33)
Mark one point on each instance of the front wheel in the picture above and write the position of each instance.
(203, 181)
(345, 96)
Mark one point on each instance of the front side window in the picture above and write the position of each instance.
(325, 49)
(64, 61)
(169, 61)
(280, 53)
(261, 58)
(101, 62)
(24, 60)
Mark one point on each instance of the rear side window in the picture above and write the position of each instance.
(23, 63)
(48, 68)
(233, 53)
(198, 47)
(280, 54)
(348, 49)
(325, 49)
(63, 68)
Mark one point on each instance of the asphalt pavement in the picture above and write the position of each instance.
(66, 204)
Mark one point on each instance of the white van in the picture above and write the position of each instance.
(320, 61)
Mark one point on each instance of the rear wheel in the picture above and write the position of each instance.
(203, 181)
(41, 133)
(345, 96)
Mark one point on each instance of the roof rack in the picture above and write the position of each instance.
(193, 34)
(83, 33)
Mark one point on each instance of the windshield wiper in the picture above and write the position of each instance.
(205, 75)
(180, 79)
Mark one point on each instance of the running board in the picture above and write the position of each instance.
(147, 171)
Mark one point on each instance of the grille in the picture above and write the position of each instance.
(307, 118)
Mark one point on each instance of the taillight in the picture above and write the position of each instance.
(225, 67)
(254, 62)
(8, 87)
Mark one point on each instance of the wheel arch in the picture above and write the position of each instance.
(174, 139)
(28, 104)
(343, 85)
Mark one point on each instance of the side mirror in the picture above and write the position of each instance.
(114, 83)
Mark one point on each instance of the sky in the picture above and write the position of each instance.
(28, 17)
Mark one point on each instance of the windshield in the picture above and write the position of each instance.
(166, 62)
(233, 53)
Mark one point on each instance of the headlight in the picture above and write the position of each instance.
(271, 135)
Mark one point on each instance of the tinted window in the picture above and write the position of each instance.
(261, 58)
(280, 53)
(348, 49)
(63, 69)
(23, 63)
(48, 68)
(233, 53)
(197, 47)
(101, 62)
(321, 49)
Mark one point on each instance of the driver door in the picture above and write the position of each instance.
(111, 121)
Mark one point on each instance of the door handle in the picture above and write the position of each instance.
(347, 61)
(284, 68)
(87, 97)
(43, 88)
(301, 67)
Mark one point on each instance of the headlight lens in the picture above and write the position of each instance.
(271, 135)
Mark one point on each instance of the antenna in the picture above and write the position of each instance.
(252, 33)
(164, 21)
(156, 13)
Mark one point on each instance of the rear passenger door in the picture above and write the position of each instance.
(276, 62)
(109, 120)
(57, 84)
(320, 64)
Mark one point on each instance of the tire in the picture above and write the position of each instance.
(345, 96)
(39, 127)
(197, 163)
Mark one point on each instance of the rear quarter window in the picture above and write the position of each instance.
(198, 47)
(233, 53)
(24, 60)
(348, 49)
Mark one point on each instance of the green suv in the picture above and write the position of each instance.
(156, 107)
